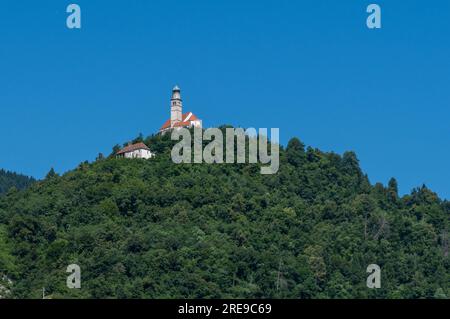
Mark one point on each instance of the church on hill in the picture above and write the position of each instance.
(177, 118)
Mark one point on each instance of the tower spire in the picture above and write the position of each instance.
(176, 106)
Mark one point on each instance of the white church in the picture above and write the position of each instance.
(177, 120)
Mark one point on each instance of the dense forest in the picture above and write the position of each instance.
(10, 179)
(155, 229)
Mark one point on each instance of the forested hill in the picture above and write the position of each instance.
(155, 229)
(10, 179)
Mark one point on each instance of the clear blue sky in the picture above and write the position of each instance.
(311, 68)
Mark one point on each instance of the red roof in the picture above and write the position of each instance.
(187, 118)
(133, 147)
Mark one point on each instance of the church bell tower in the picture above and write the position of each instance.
(176, 106)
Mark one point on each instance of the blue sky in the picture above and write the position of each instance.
(311, 68)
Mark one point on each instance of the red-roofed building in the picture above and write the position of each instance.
(177, 118)
(138, 150)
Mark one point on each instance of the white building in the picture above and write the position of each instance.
(138, 150)
(177, 118)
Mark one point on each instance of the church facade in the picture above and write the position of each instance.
(177, 118)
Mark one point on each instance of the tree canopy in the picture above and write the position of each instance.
(155, 229)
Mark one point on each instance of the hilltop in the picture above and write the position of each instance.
(154, 229)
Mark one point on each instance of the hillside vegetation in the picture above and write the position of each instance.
(155, 229)
(10, 179)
